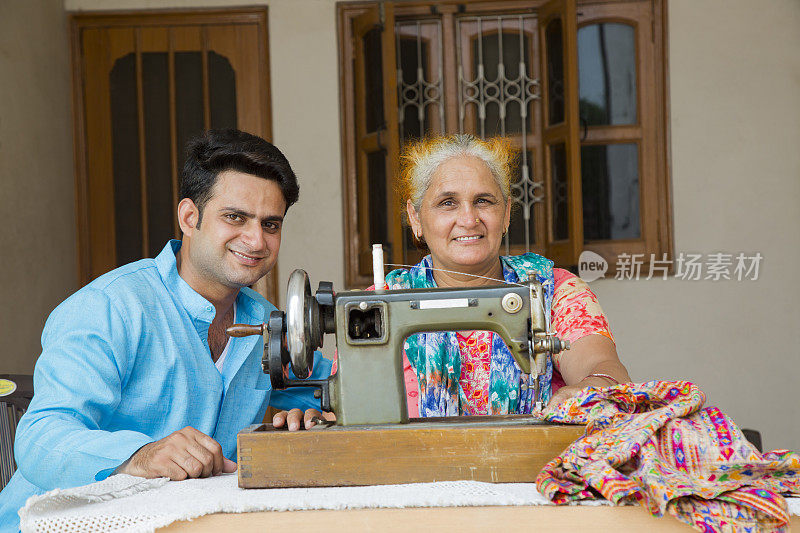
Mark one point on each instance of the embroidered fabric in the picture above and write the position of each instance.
(476, 366)
(655, 443)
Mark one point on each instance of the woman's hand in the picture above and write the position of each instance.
(570, 391)
(563, 394)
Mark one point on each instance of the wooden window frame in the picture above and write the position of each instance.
(654, 167)
(650, 134)
(382, 139)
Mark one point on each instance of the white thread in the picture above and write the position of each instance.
(461, 273)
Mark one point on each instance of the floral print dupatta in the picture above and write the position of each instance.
(436, 357)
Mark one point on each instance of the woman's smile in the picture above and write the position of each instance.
(468, 239)
(463, 216)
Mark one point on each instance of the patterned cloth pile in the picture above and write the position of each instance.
(655, 443)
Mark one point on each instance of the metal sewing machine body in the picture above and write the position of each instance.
(371, 328)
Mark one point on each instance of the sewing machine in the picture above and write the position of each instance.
(367, 393)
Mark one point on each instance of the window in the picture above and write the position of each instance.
(579, 89)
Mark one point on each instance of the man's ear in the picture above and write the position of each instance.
(188, 216)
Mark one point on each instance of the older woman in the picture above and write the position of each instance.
(456, 190)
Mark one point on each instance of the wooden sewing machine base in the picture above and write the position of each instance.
(495, 449)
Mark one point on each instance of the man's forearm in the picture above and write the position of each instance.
(54, 451)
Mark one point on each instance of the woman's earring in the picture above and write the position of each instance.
(505, 231)
(419, 241)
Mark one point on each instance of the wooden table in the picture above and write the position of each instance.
(483, 519)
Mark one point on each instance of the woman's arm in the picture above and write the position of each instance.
(578, 317)
(593, 354)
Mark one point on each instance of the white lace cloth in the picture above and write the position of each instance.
(133, 504)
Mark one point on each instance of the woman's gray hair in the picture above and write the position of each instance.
(421, 160)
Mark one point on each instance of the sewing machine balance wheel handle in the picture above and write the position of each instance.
(276, 357)
(245, 330)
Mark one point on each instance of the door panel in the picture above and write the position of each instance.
(560, 131)
(377, 143)
(146, 83)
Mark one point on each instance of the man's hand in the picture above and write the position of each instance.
(293, 418)
(187, 453)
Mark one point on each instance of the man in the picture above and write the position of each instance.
(136, 373)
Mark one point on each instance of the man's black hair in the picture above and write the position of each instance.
(216, 151)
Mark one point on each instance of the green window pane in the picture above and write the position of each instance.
(607, 74)
(373, 64)
(610, 188)
(554, 39)
(558, 176)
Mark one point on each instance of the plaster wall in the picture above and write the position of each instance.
(37, 241)
(734, 72)
(734, 69)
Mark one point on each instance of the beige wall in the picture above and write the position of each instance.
(734, 85)
(304, 67)
(37, 241)
(735, 106)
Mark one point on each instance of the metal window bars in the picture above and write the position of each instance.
(480, 91)
(423, 91)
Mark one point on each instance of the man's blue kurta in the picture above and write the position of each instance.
(125, 361)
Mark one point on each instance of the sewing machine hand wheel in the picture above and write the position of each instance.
(300, 326)
(303, 334)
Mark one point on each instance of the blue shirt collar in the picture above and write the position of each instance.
(198, 307)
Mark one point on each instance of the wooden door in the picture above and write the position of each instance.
(377, 136)
(144, 84)
(560, 130)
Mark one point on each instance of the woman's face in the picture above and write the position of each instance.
(463, 216)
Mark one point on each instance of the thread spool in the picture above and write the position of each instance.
(378, 278)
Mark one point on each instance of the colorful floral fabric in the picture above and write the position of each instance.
(476, 360)
(655, 443)
(436, 357)
(576, 311)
